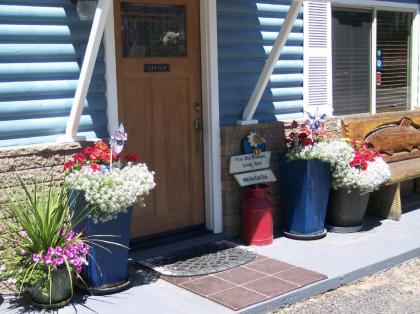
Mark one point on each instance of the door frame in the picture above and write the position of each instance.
(210, 104)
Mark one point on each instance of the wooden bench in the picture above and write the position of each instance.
(397, 137)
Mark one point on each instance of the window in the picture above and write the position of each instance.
(363, 85)
(153, 30)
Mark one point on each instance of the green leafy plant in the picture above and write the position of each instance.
(39, 237)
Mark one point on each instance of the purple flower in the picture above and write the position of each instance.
(36, 257)
(24, 234)
(47, 259)
(79, 269)
(69, 236)
(58, 261)
(58, 250)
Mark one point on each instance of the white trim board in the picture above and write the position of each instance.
(211, 124)
(111, 73)
(210, 104)
(383, 5)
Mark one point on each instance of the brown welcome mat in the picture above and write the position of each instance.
(259, 280)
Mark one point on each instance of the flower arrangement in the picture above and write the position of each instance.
(39, 239)
(309, 140)
(111, 182)
(356, 167)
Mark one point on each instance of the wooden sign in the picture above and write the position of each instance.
(256, 177)
(249, 162)
(157, 67)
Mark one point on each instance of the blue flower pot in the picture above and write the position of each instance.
(305, 190)
(108, 262)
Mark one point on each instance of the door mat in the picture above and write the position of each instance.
(203, 260)
(258, 280)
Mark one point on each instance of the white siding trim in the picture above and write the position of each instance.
(210, 99)
(383, 5)
(111, 73)
(373, 36)
(95, 37)
(415, 80)
(322, 53)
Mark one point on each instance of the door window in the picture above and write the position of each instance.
(153, 30)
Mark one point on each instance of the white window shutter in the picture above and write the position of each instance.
(317, 57)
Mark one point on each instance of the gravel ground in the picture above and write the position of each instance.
(395, 291)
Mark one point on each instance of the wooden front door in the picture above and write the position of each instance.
(159, 93)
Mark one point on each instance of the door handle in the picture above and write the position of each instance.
(198, 125)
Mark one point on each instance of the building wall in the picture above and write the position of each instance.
(41, 161)
(247, 30)
(275, 134)
(42, 44)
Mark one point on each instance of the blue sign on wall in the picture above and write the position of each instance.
(379, 60)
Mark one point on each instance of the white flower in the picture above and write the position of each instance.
(254, 139)
(111, 193)
(338, 154)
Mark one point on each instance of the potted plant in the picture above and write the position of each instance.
(41, 252)
(108, 183)
(305, 178)
(356, 171)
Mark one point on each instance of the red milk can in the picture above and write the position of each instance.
(257, 216)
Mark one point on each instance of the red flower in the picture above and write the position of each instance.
(68, 165)
(135, 158)
(294, 124)
(95, 167)
(307, 142)
(88, 150)
(362, 155)
(79, 158)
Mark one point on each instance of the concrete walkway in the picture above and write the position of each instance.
(342, 257)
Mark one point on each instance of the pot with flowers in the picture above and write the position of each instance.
(305, 178)
(41, 253)
(108, 183)
(356, 171)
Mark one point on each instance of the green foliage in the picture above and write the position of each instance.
(40, 220)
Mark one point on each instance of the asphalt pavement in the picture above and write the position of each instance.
(394, 291)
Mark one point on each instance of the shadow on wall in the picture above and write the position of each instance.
(246, 32)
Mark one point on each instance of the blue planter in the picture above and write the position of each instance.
(305, 190)
(107, 262)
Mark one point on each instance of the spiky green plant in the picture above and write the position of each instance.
(40, 221)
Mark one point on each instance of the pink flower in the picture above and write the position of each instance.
(47, 259)
(24, 234)
(36, 257)
(69, 236)
(58, 261)
(79, 269)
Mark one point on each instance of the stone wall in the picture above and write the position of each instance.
(42, 161)
(231, 137)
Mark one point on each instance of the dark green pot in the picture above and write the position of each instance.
(61, 292)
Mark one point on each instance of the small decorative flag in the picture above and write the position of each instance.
(118, 140)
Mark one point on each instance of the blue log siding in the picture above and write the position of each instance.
(247, 30)
(42, 43)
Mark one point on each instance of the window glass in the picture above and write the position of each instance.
(351, 31)
(153, 30)
(393, 61)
